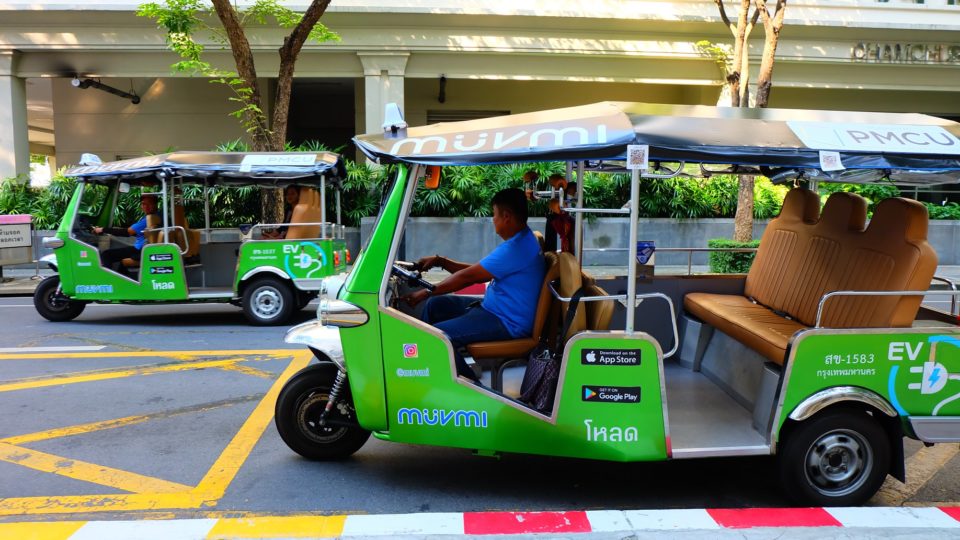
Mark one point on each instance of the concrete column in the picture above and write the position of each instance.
(14, 143)
(383, 83)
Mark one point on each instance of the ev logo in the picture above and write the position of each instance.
(898, 349)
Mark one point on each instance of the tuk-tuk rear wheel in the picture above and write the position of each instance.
(299, 405)
(838, 458)
(52, 305)
(268, 301)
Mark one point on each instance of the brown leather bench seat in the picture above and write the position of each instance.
(801, 258)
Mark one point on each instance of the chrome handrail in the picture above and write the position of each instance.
(953, 287)
(623, 298)
(829, 295)
(689, 251)
(186, 238)
(323, 227)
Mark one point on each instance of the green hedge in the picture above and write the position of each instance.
(731, 262)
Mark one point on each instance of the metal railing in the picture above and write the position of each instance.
(834, 294)
(338, 230)
(166, 236)
(622, 298)
(689, 251)
(953, 298)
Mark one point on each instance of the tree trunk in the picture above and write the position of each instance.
(743, 220)
(771, 30)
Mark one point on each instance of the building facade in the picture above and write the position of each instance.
(449, 60)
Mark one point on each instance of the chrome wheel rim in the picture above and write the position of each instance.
(267, 302)
(838, 463)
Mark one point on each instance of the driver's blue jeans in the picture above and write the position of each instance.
(464, 321)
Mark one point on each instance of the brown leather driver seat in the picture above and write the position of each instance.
(518, 348)
(307, 210)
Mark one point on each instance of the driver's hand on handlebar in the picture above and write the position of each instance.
(416, 297)
(98, 230)
(426, 263)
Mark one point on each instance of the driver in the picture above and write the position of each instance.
(113, 256)
(515, 271)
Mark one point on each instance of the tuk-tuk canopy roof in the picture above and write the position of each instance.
(913, 148)
(236, 168)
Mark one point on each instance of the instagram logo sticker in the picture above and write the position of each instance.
(410, 350)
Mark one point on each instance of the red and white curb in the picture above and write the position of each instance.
(487, 523)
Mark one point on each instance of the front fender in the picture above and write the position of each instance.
(320, 338)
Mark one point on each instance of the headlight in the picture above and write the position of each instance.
(341, 314)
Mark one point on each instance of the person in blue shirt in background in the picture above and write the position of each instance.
(515, 271)
(111, 258)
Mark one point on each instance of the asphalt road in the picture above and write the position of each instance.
(167, 412)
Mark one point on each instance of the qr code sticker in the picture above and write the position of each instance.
(830, 161)
(637, 156)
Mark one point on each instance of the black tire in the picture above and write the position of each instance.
(304, 298)
(53, 305)
(300, 403)
(268, 301)
(837, 458)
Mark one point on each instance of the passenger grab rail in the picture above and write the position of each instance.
(337, 229)
(186, 240)
(623, 298)
(829, 295)
(953, 287)
(689, 251)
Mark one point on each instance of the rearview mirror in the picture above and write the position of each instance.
(123, 187)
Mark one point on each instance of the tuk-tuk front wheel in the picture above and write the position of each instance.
(297, 415)
(52, 305)
(267, 301)
(838, 458)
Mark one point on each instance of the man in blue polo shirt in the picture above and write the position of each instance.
(112, 257)
(515, 272)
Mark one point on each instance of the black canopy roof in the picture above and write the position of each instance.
(910, 147)
(268, 168)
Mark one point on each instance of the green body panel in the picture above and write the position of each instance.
(916, 371)
(299, 259)
(161, 276)
(367, 273)
(361, 346)
(427, 405)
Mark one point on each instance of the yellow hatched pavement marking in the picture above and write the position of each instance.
(179, 355)
(120, 373)
(278, 527)
(211, 488)
(40, 531)
(88, 472)
(921, 467)
(76, 430)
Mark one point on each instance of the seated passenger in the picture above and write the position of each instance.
(291, 196)
(112, 257)
(516, 269)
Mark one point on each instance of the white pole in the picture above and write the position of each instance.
(632, 248)
(323, 206)
(578, 236)
(206, 207)
(339, 222)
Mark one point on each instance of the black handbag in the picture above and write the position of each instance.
(539, 385)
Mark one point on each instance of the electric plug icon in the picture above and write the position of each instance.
(933, 378)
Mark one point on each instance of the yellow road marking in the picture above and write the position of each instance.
(274, 353)
(79, 429)
(248, 370)
(58, 380)
(278, 527)
(211, 488)
(88, 472)
(228, 464)
(40, 531)
(921, 467)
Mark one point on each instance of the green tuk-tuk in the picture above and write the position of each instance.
(269, 276)
(821, 355)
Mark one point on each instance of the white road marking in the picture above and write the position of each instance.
(76, 348)
(184, 529)
(397, 524)
(893, 517)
